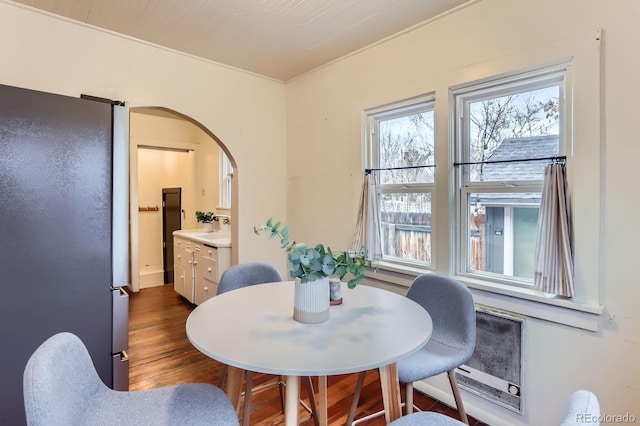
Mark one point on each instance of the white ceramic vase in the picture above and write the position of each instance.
(207, 226)
(311, 301)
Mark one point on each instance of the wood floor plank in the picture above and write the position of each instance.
(161, 355)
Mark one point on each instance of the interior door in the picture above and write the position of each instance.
(171, 221)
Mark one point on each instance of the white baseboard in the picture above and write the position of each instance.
(152, 279)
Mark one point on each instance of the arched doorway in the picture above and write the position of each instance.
(171, 149)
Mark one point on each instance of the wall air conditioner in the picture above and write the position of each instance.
(495, 370)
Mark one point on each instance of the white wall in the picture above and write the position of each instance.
(490, 36)
(50, 54)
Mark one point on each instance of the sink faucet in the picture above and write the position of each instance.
(226, 220)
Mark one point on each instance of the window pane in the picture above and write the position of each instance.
(502, 233)
(405, 222)
(406, 141)
(518, 126)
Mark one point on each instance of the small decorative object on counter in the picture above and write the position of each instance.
(335, 291)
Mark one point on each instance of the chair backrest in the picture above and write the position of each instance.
(246, 274)
(451, 307)
(58, 378)
(582, 409)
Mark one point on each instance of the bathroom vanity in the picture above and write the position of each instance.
(200, 258)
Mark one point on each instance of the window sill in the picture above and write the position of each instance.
(519, 300)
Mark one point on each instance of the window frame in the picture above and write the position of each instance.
(225, 184)
(372, 117)
(462, 96)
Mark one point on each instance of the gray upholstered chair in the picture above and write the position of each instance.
(582, 408)
(426, 418)
(248, 274)
(62, 388)
(452, 341)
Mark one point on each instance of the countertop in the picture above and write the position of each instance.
(218, 239)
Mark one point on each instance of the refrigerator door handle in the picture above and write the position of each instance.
(120, 330)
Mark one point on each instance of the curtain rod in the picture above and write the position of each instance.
(560, 159)
(368, 171)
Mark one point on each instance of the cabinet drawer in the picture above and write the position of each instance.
(209, 252)
(180, 256)
(206, 290)
(207, 268)
(182, 244)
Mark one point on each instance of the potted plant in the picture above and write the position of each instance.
(207, 219)
(312, 266)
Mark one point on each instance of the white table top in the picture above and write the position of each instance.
(253, 329)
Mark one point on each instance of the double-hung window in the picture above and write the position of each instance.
(507, 131)
(401, 142)
(226, 175)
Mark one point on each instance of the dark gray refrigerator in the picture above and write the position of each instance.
(64, 233)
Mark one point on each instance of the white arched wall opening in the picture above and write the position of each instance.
(157, 128)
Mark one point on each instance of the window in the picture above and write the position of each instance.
(503, 125)
(401, 143)
(226, 174)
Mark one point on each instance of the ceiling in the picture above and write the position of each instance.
(280, 39)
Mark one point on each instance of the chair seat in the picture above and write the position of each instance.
(192, 404)
(433, 359)
(426, 418)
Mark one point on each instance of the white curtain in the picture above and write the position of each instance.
(367, 232)
(553, 262)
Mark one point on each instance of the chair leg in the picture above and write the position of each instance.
(247, 398)
(408, 399)
(281, 386)
(312, 400)
(223, 377)
(356, 398)
(457, 397)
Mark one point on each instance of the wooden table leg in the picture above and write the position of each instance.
(234, 385)
(291, 401)
(322, 401)
(390, 392)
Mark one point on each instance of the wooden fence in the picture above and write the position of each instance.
(406, 235)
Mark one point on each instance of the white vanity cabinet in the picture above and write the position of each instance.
(183, 267)
(209, 264)
(198, 264)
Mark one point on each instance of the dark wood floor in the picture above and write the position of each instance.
(160, 355)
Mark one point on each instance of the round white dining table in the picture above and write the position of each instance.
(253, 329)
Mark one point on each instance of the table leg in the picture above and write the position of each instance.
(390, 392)
(291, 401)
(234, 385)
(322, 401)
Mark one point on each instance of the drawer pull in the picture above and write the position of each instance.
(209, 269)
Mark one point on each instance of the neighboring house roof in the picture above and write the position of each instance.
(521, 148)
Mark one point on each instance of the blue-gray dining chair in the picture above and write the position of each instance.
(582, 408)
(450, 305)
(248, 274)
(62, 388)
